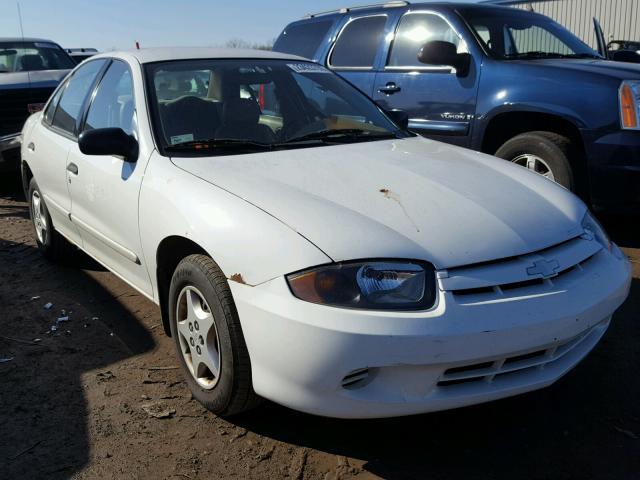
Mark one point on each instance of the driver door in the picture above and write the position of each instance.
(104, 189)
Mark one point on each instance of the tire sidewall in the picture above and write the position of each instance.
(543, 148)
(188, 274)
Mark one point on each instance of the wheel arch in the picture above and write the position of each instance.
(169, 253)
(504, 126)
(27, 175)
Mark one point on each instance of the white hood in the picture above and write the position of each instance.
(413, 199)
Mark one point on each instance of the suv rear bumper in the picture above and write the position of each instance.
(10, 153)
(614, 169)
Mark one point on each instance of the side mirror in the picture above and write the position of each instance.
(109, 141)
(400, 117)
(445, 53)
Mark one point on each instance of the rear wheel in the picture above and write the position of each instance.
(545, 153)
(53, 245)
(208, 337)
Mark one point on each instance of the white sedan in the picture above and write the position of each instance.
(304, 247)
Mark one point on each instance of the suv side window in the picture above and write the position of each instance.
(416, 29)
(358, 43)
(74, 95)
(303, 39)
(112, 105)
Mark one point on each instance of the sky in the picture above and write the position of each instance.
(118, 24)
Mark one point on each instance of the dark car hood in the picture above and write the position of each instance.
(619, 70)
(37, 79)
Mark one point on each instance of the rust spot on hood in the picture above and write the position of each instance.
(237, 277)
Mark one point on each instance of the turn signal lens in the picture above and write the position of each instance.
(629, 101)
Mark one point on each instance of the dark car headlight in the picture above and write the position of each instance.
(373, 285)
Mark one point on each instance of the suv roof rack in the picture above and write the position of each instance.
(391, 4)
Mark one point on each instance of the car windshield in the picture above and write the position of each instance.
(511, 33)
(235, 106)
(32, 56)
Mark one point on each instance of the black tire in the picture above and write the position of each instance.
(233, 392)
(52, 245)
(555, 150)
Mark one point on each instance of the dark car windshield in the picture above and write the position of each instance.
(32, 56)
(510, 33)
(236, 106)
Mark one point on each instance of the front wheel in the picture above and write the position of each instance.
(208, 337)
(545, 153)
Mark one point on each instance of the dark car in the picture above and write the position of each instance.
(624, 51)
(30, 69)
(81, 54)
(500, 80)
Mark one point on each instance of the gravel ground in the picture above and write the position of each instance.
(84, 401)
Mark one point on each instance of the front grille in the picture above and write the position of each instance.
(512, 277)
(503, 367)
(13, 107)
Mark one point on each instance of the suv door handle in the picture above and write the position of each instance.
(389, 89)
(73, 168)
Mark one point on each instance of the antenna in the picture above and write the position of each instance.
(20, 20)
(22, 35)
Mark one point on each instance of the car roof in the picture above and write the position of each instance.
(25, 39)
(150, 55)
(408, 5)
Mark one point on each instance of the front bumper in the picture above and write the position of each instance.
(10, 153)
(614, 170)
(306, 356)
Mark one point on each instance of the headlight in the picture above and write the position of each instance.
(630, 104)
(374, 285)
(593, 228)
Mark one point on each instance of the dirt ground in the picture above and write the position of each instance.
(79, 402)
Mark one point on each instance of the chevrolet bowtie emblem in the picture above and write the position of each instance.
(546, 268)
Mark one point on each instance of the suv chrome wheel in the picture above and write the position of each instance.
(198, 336)
(535, 164)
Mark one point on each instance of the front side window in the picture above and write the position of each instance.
(112, 105)
(33, 56)
(509, 34)
(358, 43)
(416, 29)
(74, 95)
(261, 105)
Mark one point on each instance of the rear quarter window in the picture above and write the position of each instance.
(303, 39)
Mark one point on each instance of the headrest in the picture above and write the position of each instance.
(31, 62)
(241, 110)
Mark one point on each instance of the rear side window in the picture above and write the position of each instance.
(75, 94)
(303, 39)
(51, 107)
(414, 31)
(112, 106)
(358, 43)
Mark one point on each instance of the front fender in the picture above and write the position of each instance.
(245, 242)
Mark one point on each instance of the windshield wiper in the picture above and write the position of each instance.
(584, 55)
(341, 134)
(218, 143)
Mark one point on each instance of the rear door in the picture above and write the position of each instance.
(51, 144)
(440, 103)
(358, 48)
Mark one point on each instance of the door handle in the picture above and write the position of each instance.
(73, 168)
(389, 89)
(31, 147)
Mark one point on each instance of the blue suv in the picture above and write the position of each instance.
(500, 80)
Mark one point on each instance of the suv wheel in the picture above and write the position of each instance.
(208, 337)
(545, 153)
(53, 245)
